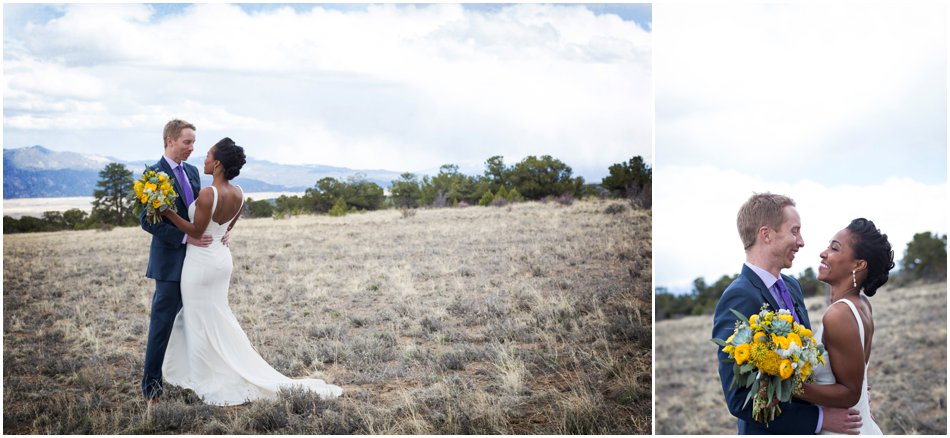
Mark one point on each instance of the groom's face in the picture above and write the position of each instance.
(787, 240)
(179, 149)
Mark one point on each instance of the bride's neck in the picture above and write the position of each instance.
(843, 291)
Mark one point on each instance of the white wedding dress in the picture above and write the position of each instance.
(824, 376)
(208, 351)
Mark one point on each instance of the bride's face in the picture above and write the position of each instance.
(837, 260)
(209, 162)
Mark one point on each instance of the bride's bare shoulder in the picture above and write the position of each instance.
(837, 314)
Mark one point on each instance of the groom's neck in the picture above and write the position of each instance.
(764, 261)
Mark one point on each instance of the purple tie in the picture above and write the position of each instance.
(185, 185)
(786, 298)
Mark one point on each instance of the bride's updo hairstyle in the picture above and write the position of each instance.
(231, 157)
(871, 246)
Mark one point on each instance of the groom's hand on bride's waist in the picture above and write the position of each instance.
(841, 420)
(226, 238)
(203, 242)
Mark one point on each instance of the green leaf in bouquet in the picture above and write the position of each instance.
(739, 315)
(735, 377)
(771, 391)
(750, 379)
(719, 342)
(780, 390)
(745, 368)
(752, 391)
(786, 390)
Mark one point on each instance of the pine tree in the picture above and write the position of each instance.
(113, 203)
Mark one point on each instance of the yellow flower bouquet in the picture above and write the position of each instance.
(772, 355)
(154, 190)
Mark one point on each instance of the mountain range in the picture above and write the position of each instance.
(38, 172)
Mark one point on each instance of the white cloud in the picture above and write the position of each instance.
(694, 217)
(840, 106)
(803, 83)
(398, 86)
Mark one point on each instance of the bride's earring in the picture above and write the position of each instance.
(854, 278)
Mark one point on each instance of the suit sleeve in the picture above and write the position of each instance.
(796, 418)
(166, 232)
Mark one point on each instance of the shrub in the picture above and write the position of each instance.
(615, 209)
(515, 196)
(487, 199)
(565, 199)
(261, 208)
(502, 193)
(339, 208)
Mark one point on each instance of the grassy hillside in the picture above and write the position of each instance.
(907, 372)
(534, 318)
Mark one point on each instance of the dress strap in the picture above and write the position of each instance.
(242, 197)
(857, 317)
(231, 222)
(214, 203)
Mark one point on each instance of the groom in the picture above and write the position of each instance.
(770, 228)
(167, 252)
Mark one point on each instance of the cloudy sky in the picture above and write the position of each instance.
(398, 87)
(842, 107)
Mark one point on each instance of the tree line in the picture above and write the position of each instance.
(533, 178)
(925, 259)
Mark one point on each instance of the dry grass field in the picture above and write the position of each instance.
(528, 319)
(907, 372)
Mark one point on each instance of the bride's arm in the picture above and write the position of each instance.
(846, 354)
(202, 215)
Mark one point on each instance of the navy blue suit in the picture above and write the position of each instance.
(746, 295)
(165, 258)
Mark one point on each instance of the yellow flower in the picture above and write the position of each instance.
(150, 186)
(162, 178)
(765, 359)
(760, 336)
(787, 318)
(806, 370)
(792, 337)
(804, 332)
(728, 349)
(785, 369)
(754, 319)
(156, 203)
(742, 353)
(781, 341)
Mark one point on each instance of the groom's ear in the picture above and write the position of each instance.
(763, 233)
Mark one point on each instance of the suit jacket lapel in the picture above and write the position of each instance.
(764, 291)
(180, 202)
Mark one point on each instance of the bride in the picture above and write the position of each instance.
(855, 264)
(208, 351)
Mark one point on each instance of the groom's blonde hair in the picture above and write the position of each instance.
(173, 130)
(761, 209)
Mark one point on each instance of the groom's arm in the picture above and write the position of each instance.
(796, 418)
